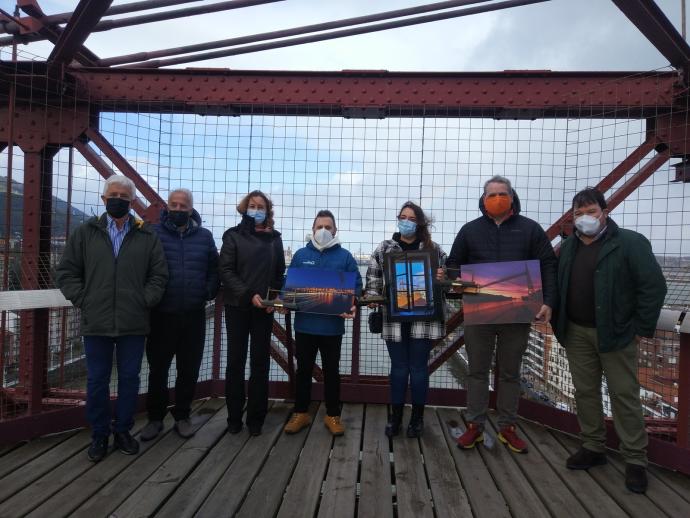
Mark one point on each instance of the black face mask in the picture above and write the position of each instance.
(179, 218)
(116, 207)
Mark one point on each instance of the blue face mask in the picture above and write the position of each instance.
(258, 215)
(407, 228)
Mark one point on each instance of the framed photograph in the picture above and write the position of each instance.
(319, 290)
(505, 293)
(410, 290)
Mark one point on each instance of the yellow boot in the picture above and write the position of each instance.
(334, 425)
(298, 421)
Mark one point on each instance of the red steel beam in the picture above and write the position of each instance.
(81, 23)
(124, 166)
(637, 179)
(607, 182)
(658, 29)
(147, 213)
(509, 94)
(683, 437)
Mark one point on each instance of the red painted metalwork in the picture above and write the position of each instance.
(563, 225)
(512, 94)
(154, 199)
(35, 126)
(637, 179)
(683, 437)
(147, 213)
(285, 33)
(442, 356)
(658, 29)
(83, 19)
(672, 130)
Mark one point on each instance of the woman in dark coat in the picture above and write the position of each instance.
(251, 263)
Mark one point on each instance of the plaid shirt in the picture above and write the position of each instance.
(375, 287)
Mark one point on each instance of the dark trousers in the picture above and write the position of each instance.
(250, 328)
(409, 360)
(329, 348)
(510, 340)
(129, 351)
(180, 336)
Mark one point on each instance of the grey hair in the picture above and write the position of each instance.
(118, 179)
(184, 191)
(499, 179)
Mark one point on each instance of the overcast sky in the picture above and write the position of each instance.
(556, 35)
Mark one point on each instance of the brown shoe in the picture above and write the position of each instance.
(298, 421)
(334, 425)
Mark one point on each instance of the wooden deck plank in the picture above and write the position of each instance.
(413, 497)
(43, 464)
(678, 482)
(162, 483)
(658, 492)
(190, 496)
(589, 493)
(516, 489)
(304, 489)
(613, 482)
(266, 493)
(448, 494)
(29, 451)
(376, 491)
(141, 467)
(227, 496)
(482, 492)
(43, 488)
(554, 494)
(84, 485)
(340, 486)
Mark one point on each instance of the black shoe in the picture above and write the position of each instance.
(585, 459)
(126, 443)
(416, 426)
(234, 427)
(395, 420)
(98, 449)
(254, 429)
(636, 478)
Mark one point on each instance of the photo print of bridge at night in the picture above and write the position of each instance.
(318, 290)
(506, 293)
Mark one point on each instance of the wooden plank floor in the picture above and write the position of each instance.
(310, 474)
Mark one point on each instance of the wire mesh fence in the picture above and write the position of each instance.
(363, 170)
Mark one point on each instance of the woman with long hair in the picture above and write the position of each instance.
(409, 343)
(251, 263)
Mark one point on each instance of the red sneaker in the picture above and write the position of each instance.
(473, 435)
(508, 435)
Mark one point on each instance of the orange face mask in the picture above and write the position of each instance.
(497, 205)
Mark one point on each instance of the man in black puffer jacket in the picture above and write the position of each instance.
(500, 234)
(178, 323)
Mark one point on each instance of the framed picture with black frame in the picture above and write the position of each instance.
(411, 292)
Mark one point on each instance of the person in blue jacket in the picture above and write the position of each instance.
(178, 323)
(321, 333)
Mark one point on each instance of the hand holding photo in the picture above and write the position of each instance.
(318, 290)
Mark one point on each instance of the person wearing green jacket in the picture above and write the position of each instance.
(114, 271)
(611, 293)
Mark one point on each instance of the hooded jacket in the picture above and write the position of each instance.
(250, 263)
(114, 294)
(334, 258)
(192, 260)
(629, 288)
(516, 239)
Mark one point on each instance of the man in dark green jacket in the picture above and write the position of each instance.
(114, 270)
(611, 293)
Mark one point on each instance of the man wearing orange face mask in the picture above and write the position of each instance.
(500, 234)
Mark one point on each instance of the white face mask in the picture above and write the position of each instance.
(323, 236)
(588, 225)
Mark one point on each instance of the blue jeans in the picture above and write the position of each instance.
(99, 363)
(409, 361)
